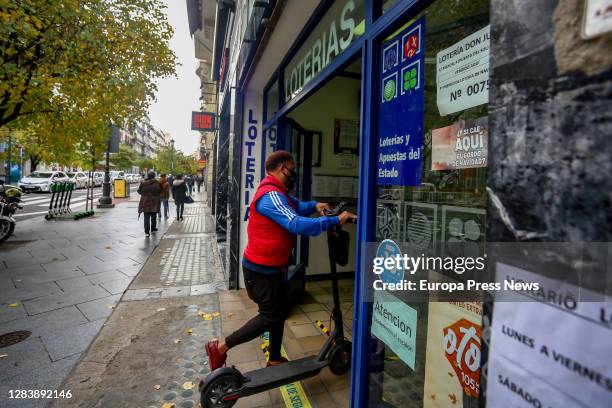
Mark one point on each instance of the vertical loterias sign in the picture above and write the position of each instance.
(401, 106)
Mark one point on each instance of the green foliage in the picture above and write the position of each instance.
(183, 164)
(125, 158)
(69, 68)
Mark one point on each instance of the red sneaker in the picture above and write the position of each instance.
(215, 358)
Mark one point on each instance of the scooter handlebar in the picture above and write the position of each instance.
(337, 210)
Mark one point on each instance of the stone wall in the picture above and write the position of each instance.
(550, 156)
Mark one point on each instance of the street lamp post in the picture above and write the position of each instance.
(8, 169)
(106, 201)
(172, 156)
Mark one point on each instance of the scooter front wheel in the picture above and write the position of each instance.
(211, 396)
(339, 357)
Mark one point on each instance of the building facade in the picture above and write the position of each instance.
(144, 139)
(440, 123)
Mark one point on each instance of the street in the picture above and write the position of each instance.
(37, 204)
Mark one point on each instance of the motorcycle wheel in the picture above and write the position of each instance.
(6, 229)
(211, 395)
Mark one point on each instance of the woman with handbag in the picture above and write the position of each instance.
(179, 193)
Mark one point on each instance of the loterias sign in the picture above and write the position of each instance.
(338, 28)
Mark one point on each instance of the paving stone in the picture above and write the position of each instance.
(131, 270)
(46, 303)
(41, 277)
(8, 313)
(27, 292)
(100, 308)
(64, 343)
(203, 289)
(44, 377)
(23, 357)
(44, 323)
(27, 260)
(93, 268)
(117, 286)
(175, 291)
(103, 277)
(71, 284)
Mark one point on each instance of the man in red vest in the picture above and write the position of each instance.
(275, 219)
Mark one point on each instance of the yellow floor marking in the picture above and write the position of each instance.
(293, 393)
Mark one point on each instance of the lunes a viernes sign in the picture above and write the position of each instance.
(400, 107)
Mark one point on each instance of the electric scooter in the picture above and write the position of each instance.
(222, 387)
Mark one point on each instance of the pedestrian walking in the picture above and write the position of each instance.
(150, 191)
(164, 196)
(190, 184)
(179, 193)
(170, 179)
(199, 181)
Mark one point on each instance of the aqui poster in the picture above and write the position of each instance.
(452, 371)
(461, 145)
(401, 107)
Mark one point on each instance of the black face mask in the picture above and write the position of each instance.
(290, 183)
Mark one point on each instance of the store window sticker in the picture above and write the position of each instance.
(462, 73)
(395, 324)
(388, 249)
(390, 56)
(411, 43)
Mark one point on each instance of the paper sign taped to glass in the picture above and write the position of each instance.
(395, 324)
(452, 371)
(462, 73)
(461, 145)
(549, 350)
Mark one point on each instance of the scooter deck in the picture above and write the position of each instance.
(285, 373)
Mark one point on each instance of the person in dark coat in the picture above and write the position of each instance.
(179, 193)
(150, 198)
(165, 195)
(190, 184)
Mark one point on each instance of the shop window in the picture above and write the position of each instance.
(271, 101)
(433, 102)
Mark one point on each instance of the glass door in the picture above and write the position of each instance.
(431, 166)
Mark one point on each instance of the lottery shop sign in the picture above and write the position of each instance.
(401, 107)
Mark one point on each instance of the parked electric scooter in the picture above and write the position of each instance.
(222, 387)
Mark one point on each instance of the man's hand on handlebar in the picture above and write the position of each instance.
(346, 216)
(321, 207)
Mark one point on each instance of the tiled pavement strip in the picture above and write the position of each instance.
(150, 350)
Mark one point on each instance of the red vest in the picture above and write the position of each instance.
(268, 243)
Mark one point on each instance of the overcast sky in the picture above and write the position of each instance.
(178, 96)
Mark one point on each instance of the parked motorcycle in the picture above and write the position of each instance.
(10, 201)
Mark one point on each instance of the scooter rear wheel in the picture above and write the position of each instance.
(211, 394)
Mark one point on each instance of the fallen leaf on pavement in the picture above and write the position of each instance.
(189, 331)
(3, 355)
(112, 306)
(188, 385)
(109, 247)
(230, 314)
(177, 341)
(168, 405)
(161, 309)
(14, 305)
(157, 386)
(208, 317)
(216, 314)
(17, 280)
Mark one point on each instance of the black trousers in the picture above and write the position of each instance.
(150, 221)
(180, 206)
(270, 294)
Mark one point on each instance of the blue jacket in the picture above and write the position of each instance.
(297, 221)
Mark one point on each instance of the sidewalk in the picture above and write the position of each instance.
(60, 280)
(151, 349)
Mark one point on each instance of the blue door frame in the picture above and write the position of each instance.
(367, 47)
